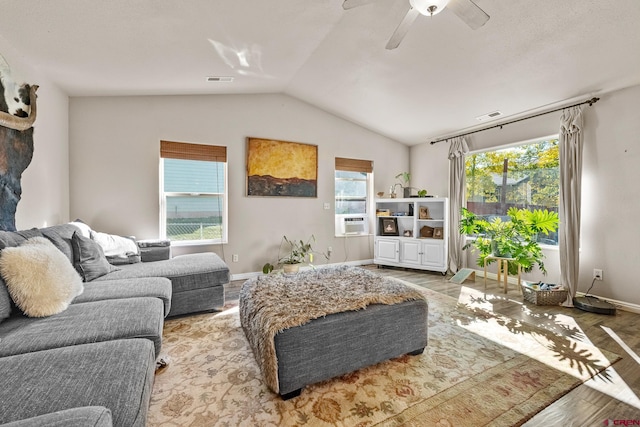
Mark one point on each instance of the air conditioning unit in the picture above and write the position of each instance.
(354, 225)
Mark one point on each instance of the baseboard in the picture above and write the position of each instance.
(622, 305)
(246, 276)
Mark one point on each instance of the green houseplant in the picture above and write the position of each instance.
(297, 254)
(517, 238)
(406, 177)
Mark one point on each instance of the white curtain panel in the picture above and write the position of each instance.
(570, 196)
(458, 148)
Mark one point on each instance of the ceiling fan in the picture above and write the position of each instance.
(466, 10)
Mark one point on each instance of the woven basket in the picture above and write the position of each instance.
(540, 297)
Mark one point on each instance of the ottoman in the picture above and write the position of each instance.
(315, 325)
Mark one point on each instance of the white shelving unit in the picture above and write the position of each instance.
(417, 217)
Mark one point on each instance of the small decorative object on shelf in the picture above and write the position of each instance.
(437, 233)
(426, 231)
(407, 233)
(388, 226)
(424, 213)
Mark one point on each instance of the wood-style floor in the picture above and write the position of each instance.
(583, 406)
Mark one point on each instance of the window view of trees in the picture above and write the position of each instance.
(526, 176)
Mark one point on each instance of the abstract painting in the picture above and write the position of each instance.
(281, 168)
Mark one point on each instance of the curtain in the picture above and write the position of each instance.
(570, 197)
(457, 150)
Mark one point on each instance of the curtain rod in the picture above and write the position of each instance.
(590, 102)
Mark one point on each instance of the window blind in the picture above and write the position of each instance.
(187, 151)
(354, 165)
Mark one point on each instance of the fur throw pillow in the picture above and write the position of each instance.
(40, 278)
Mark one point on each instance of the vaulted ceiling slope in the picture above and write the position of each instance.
(530, 55)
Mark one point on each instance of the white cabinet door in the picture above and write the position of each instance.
(388, 250)
(411, 252)
(433, 253)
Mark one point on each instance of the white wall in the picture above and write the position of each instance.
(114, 145)
(45, 183)
(610, 190)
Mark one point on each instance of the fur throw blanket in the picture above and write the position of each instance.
(270, 304)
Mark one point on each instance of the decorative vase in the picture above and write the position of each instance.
(407, 192)
(291, 268)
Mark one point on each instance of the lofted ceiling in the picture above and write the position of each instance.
(531, 55)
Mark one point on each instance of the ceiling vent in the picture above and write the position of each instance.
(489, 116)
(219, 79)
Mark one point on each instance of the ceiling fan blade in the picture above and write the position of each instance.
(350, 4)
(403, 28)
(469, 12)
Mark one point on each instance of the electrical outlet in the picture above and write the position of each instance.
(329, 250)
(234, 257)
(597, 273)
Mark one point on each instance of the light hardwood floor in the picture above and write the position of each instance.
(583, 406)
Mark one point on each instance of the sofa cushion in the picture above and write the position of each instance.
(39, 277)
(88, 258)
(117, 375)
(157, 287)
(10, 239)
(86, 416)
(95, 321)
(187, 272)
(5, 301)
(60, 236)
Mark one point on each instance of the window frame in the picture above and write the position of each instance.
(193, 152)
(354, 165)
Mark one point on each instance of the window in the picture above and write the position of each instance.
(193, 188)
(523, 176)
(352, 192)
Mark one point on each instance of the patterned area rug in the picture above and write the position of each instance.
(478, 369)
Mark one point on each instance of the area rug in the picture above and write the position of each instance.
(478, 369)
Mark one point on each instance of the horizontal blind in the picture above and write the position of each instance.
(354, 165)
(187, 151)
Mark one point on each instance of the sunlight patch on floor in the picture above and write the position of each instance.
(227, 312)
(576, 357)
(622, 344)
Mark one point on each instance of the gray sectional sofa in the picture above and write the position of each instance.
(93, 363)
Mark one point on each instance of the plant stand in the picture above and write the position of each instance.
(503, 271)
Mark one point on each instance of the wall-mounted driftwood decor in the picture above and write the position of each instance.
(281, 168)
(17, 115)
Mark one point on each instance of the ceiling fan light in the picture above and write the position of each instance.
(428, 7)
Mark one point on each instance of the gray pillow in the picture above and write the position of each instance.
(88, 258)
(5, 301)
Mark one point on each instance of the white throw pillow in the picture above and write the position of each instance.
(114, 245)
(41, 280)
(84, 228)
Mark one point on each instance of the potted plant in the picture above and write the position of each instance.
(298, 253)
(406, 176)
(516, 238)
